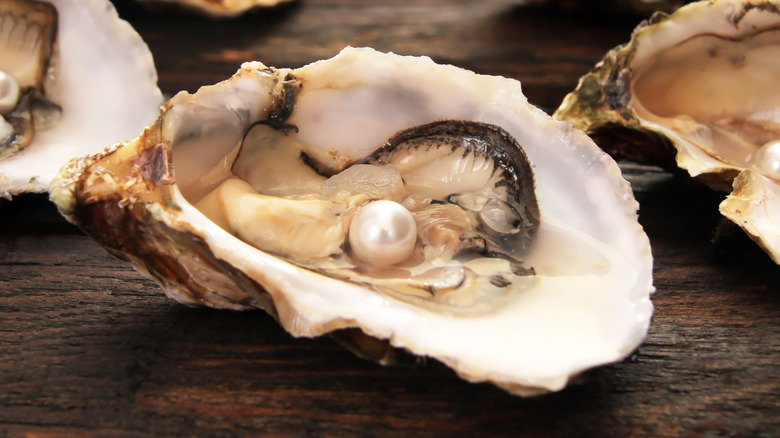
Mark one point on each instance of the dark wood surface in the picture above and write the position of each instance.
(90, 348)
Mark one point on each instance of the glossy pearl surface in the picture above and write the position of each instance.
(9, 92)
(767, 160)
(383, 232)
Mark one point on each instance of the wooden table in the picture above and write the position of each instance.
(90, 348)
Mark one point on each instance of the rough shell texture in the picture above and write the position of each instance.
(590, 299)
(108, 92)
(668, 96)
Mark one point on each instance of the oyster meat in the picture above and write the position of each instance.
(702, 84)
(389, 201)
(74, 78)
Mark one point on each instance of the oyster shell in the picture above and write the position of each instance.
(74, 78)
(528, 265)
(703, 83)
(219, 8)
(645, 7)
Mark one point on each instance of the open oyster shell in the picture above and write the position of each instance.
(74, 78)
(702, 84)
(528, 265)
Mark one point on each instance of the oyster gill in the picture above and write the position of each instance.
(83, 79)
(573, 296)
(704, 81)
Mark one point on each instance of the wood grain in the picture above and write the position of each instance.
(90, 348)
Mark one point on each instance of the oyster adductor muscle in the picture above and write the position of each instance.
(383, 197)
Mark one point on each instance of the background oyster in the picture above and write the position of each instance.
(219, 8)
(644, 7)
(702, 84)
(527, 265)
(74, 78)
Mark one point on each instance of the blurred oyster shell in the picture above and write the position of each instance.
(85, 80)
(643, 7)
(535, 271)
(219, 8)
(702, 84)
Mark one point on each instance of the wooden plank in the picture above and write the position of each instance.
(547, 52)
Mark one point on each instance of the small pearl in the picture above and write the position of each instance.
(9, 92)
(767, 160)
(383, 232)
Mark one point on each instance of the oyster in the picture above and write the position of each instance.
(220, 8)
(701, 83)
(389, 201)
(73, 78)
(28, 36)
(645, 7)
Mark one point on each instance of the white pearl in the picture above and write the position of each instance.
(9, 92)
(383, 232)
(767, 160)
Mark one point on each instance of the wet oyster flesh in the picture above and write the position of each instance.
(703, 81)
(447, 206)
(380, 197)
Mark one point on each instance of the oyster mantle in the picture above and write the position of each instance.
(583, 300)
